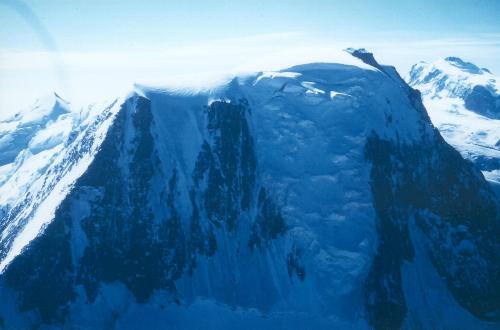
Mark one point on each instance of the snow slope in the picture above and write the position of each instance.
(305, 198)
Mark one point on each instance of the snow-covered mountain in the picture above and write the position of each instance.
(316, 197)
(463, 101)
(42, 152)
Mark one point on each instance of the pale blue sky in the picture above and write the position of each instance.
(125, 24)
(68, 45)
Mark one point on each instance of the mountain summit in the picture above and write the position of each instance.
(320, 196)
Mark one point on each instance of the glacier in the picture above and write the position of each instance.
(320, 196)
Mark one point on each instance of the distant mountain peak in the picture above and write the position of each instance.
(463, 101)
(453, 76)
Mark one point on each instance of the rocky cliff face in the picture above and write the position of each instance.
(310, 197)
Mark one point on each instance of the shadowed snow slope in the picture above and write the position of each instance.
(313, 197)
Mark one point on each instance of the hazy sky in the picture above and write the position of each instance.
(90, 49)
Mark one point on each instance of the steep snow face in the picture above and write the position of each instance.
(43, 151)
(280, 199)
(464, 103)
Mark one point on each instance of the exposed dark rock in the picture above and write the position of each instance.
(485, 163)
(295, 264)
(366, 57)
(465, 66)
(483, 102)
(227, 164)
(431, 181)
(269, 223)
(43, 274)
